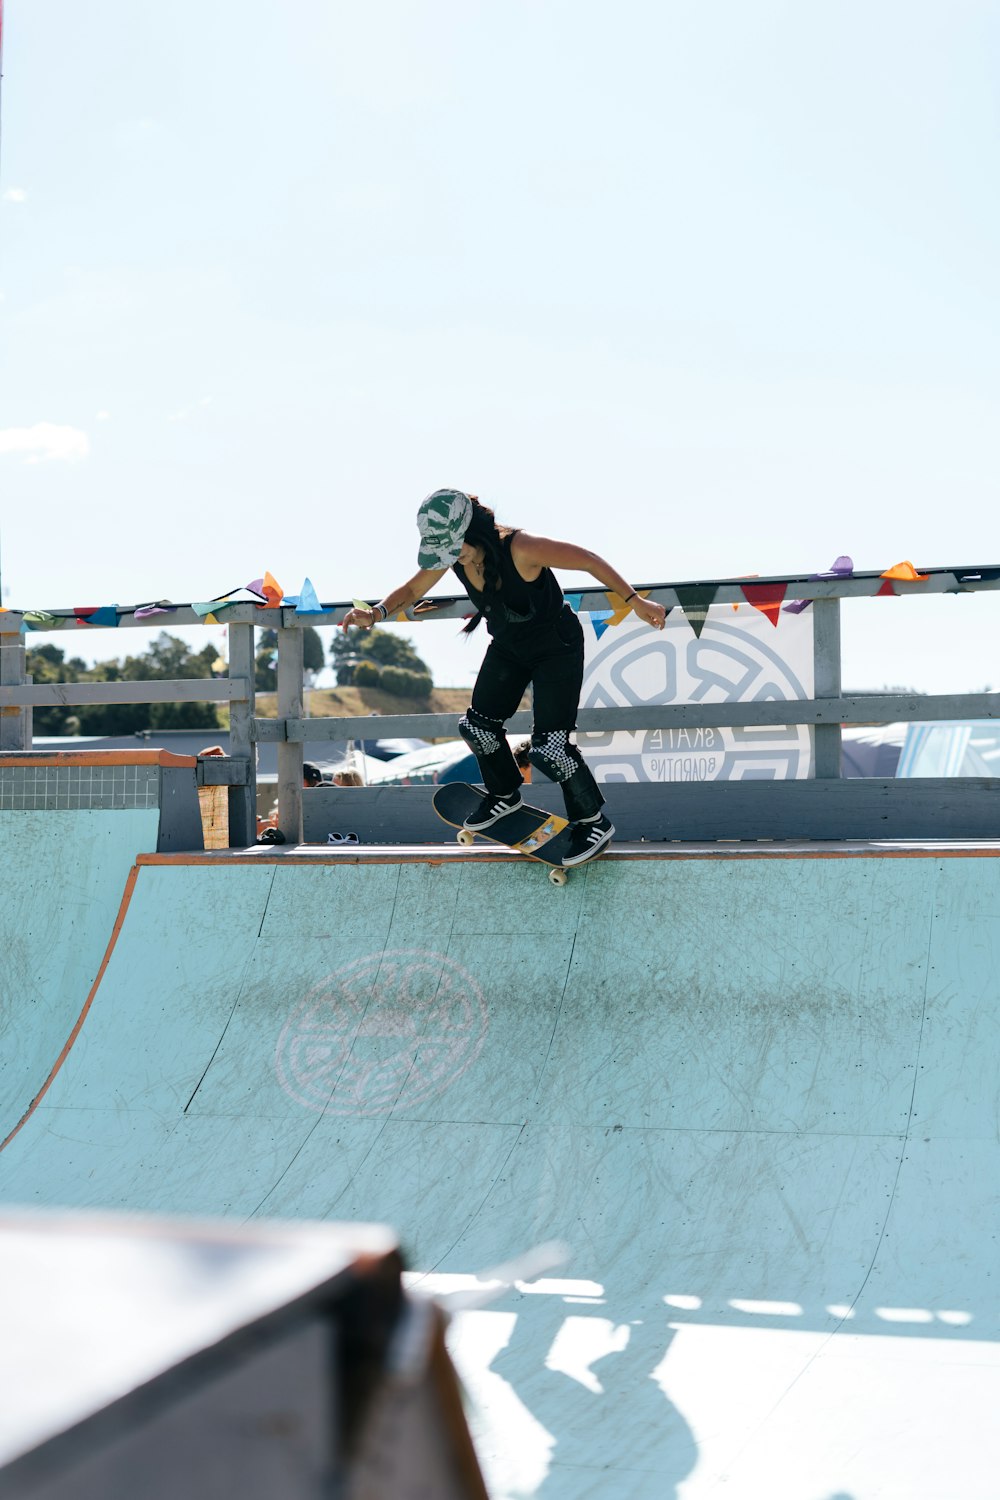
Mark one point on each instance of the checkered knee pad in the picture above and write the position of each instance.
(480, 733)
(553, 754)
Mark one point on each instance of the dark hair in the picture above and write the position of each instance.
(483, 531)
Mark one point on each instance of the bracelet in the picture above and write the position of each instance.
(630, 596)
(375, 611)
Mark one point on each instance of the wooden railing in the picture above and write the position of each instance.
(826, 712)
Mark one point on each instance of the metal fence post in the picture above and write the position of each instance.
(15, 723)
(827, 684)
(290, 754)
(242, 740)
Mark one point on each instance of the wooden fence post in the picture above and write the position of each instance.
(290, 754)
(242, 740)
(827, 671)
(15, 723)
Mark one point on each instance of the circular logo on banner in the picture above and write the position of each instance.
(633, 667)
(395, 1024)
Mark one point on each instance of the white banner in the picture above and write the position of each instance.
(739, 658)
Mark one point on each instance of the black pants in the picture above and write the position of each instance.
(550, 659)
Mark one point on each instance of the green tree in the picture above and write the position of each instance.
(266, 658)
(47, 664)
(313, 655)
(404, 683)
(265, 662)
(167, 657)
(383, 647)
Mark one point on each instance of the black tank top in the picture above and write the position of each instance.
(517, 608)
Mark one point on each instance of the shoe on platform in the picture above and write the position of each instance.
(588, 839)
(491, 810)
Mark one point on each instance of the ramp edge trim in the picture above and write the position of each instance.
(123, 906)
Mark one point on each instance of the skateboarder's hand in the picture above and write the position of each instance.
(653, 614)
(364, 617)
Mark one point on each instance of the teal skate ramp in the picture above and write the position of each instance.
(754, 1093)
(63, 877)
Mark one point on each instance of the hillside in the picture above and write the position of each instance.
(350, 701)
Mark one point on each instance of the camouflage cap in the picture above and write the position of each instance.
(442, 520)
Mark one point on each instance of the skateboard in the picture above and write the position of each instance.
(539, 834)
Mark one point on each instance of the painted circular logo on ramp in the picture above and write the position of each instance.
(394, 1027)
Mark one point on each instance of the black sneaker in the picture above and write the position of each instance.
(491, 810)
(588, 839)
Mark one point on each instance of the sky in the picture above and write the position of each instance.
(709, 287)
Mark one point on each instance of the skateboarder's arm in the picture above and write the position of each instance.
(533, 553)
(408, 593)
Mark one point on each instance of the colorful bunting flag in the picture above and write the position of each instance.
(161, 607)
(619, 609)
(767, 597)
(40, 619)
(574, 601)
(735, 607)
(308, 601)
(270, 589)
(905, 572)
(600, 619)
(887, 591)
(843, 567)
(696, 600)
(89, 615)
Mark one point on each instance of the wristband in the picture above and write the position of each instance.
(375, 611)
(630, 596)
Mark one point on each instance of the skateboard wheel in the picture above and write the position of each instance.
(466, 837)
(558, 877)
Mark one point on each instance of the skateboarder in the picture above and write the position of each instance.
(536, 638)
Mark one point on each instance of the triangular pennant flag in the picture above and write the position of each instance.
(841, 567)
(272, 591)
(735, 607)
(161, 607)
(40, 619)
(619, 609)
(600, 619)
(887, 591)
(574, 601)
(308, 603)
(767, 597)
(106, 615)
(905, 572)
(206, 609)
(696, 600)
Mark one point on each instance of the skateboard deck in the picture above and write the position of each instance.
(539, 834)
